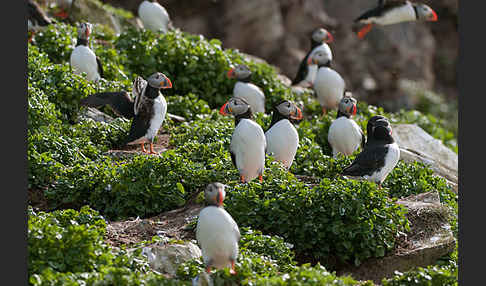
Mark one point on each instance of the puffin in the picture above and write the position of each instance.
(216, 231)
(306, 74)
(329, 86)
(83, 59)
(154, 16)
(393, 12)
(248, 143)
(36, 18)
(282, 137)
(345, 136)
(148, 110)
(380, 154)
(245, 89)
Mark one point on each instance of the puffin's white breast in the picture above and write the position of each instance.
(282, 142)
(83, 59)
(248, 144)
(344, 136)
(153, 16)
(252, 94)
(159, 109)
(218, 235)
(391, 160)
(329, 87)
(397, 15)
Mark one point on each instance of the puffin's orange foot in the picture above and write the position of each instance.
(324, 110)
(260, 178)
(232, 270)
(242, 179)
(208, 269)
(364, 31)
(143, 148)
(152, 149)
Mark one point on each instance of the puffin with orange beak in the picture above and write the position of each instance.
(148, 110)
(345, 136)
(248, 144)
(245, 89)
(216, 232)
(83, 59)
(393, 12)
(282, 137)
(306, 74)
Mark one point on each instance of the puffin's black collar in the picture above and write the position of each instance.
(83, 42)
(416, 12)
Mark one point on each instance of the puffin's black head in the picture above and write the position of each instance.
(238, 107)
(318, 58)
(159, 80)
(424, 12)
(321, 35)
(382, 131)
(215, 194)
(240, 72)
(84, 30)
(347, 105)
(286, 110)
(371, 123)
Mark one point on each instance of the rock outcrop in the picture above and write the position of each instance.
(166, 258)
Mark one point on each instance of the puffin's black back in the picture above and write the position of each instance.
(382, 8)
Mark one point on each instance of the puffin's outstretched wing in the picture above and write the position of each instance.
(100, 66)
(37, 15)
(383, 6)
(120, 102)
(367, 161)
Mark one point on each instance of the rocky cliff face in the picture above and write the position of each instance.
(278, 31)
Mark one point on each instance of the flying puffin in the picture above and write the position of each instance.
(379, 156)
(154, 17)
(319, 42)
(148, 110)
(248, 143)
(282, 137)
(245, 89)
(393, 12)
(36, 18)
(83, 59)
(216, 232)
(329, 86)
(345, 136)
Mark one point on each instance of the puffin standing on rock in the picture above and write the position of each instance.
(319, 42)
(148, 110)
(83, 59)
(329, 86)
(216, 232)
(393, 12)
(245, 89)
(282, 137)
(248, 143)
(154, 16)
(379, 156)
(345, 136)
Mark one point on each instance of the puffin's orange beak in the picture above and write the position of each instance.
(166, 83)
(222, 110)
(330, 38)
(299, 114)
(310, 61)
(434, 17)
(231, 73)
(355, 109)
(219, 198)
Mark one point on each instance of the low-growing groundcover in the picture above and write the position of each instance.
(332, 221)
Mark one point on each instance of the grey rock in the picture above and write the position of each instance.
(166, 258)
(95, 114)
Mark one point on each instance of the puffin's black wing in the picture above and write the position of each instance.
(302, 72)
(383, 7)
(36, 15)
(120, 102)
(139, 127)
(100, 66)
(368, 161)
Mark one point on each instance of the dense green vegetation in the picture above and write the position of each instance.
(328, 220)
